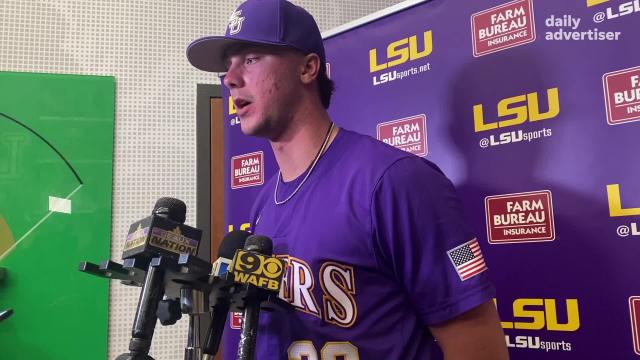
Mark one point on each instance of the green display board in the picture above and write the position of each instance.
(56, 160)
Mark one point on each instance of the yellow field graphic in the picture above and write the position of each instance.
(6, 237)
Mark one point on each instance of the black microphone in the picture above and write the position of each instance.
(261, 274)
(231, 242)
(162, 234)
(4, 314)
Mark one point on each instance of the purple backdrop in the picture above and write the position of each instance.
(529, 106)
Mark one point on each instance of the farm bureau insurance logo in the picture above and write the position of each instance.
(634, 312)
(622, 95)
(400, 52)
(520, 217)
(247, 170)
(408, 134)
(503, 27)
(235, 320)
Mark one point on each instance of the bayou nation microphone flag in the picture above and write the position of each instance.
(467, 259)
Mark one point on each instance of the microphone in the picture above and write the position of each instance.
(162, 234)
(5, 314)
(231, 242)
(8, 312)
(261, 274)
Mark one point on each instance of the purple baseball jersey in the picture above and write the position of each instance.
(377, 249)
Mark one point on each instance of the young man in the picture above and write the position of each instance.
(380, 259)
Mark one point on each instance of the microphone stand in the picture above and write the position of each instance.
(184, 279)
(249, 334)
(146, 315)
(194, 303)
(4, 314)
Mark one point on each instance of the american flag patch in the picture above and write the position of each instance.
(467, 259)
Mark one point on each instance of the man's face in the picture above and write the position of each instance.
(263, 82)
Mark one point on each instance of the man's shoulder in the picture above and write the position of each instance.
(366, 150)
(375, 158)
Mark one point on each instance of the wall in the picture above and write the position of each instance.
(142, 44)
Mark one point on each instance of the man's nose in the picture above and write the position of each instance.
(233, 79)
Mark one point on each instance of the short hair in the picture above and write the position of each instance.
(325, 86)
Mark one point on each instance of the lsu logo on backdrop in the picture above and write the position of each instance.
(401, 51)
(408, 134)
(232, 107)
(617, 210)
(542, 314)
(634, 312)
(518, 110)
(595, 2)
(244, 226)
(622, 95)
(616, 11)
(533, 314)
(615, 203)
(520, 217)
(502, 27)
(235, 120)
(247, 170)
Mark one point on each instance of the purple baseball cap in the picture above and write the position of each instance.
(260, 22)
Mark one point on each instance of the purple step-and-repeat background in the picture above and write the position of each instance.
(531, 107)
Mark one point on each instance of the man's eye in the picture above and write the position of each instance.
(250, 60)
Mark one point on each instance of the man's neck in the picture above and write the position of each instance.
(296, 149)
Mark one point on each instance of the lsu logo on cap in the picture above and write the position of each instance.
(235, 22)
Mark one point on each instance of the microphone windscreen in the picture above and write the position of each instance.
(260, 244)
(231, 242)
(172, 208)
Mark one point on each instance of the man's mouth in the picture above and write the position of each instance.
(241, 103)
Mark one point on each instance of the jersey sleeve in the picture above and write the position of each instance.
(422, 239)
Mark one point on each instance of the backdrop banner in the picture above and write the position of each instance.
(531, 107)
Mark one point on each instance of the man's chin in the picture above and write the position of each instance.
(258, 127)
(250, 129)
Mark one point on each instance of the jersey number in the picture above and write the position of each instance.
(333, 350)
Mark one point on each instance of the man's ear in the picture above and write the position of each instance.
(310, 68)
